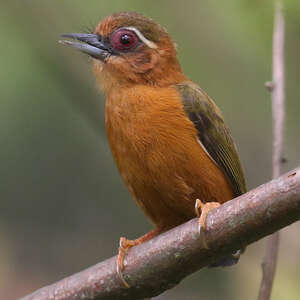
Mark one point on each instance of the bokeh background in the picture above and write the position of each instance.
(63, 205)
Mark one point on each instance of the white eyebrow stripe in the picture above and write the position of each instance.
(142, 38)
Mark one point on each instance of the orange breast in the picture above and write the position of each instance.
(157, 153)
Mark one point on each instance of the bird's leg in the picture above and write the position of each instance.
(202, 210)
(126, 244)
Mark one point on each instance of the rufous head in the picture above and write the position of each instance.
(129, 48)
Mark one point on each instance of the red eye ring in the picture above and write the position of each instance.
(124, 40)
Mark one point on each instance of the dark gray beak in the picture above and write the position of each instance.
(91, 45)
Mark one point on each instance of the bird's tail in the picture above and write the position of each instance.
(228, 261)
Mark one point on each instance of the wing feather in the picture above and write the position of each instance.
(213, 134)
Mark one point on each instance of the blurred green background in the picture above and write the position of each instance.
(63, 205)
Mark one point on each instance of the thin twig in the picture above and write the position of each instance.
(161, 263)
(277, 90)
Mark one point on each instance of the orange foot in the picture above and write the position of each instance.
(202, 210)
(125, 245)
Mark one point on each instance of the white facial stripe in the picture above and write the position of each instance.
(142, 38)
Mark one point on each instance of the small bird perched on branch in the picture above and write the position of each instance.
(168, 138)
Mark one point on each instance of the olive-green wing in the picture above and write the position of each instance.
(213, 134)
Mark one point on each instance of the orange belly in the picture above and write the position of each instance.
(158, 155)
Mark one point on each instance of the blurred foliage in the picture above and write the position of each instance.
(63, 204)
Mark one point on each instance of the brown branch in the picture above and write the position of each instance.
(277, 91)
(161, 263)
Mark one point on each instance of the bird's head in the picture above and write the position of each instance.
(129, 48)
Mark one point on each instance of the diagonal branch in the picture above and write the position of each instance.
(161, 263)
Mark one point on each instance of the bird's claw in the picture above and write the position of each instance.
(123, 249)
(125, 245)
(202, 210)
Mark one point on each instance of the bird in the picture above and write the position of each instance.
(168, 138)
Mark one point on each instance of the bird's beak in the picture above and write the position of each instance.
(91, 45)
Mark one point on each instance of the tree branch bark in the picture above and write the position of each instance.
(161, 263)
(278, 110)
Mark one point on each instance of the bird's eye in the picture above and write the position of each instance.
(124, 40)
